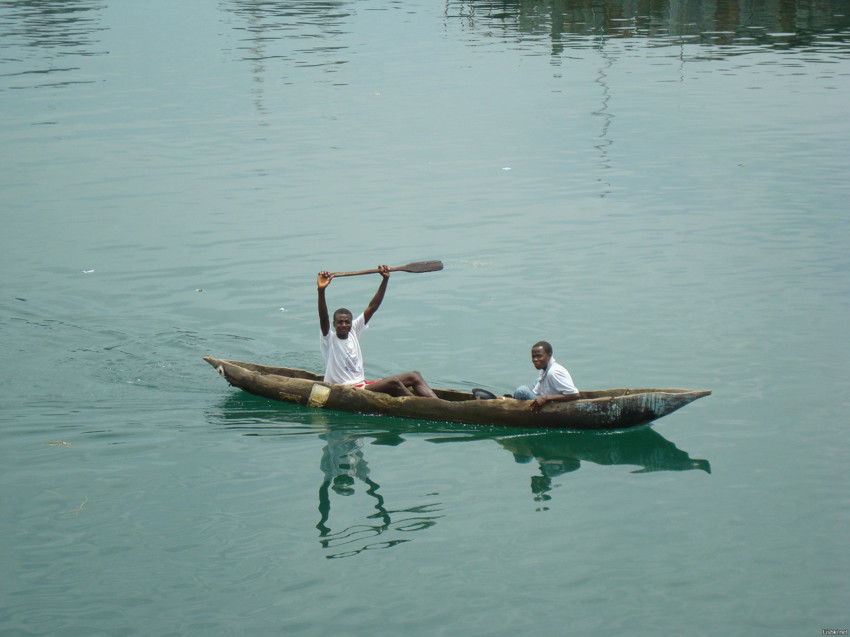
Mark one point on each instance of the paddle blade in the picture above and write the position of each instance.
(421, 266)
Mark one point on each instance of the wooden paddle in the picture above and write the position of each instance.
(418, 266)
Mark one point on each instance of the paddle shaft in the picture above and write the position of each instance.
(419, 266)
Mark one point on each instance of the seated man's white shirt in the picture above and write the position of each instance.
(555, 379)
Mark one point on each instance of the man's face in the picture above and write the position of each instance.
(342, 325)
(539, 357)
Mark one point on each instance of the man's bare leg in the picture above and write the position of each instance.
(398, 384)
(391, 385)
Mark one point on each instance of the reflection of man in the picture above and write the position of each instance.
(342, 464)
(342, 461)
(550, 467)
(558, 453)
(554, 384)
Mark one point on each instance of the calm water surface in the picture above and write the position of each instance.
(659, 190)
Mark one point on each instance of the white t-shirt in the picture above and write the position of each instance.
(555, 379)
(343, 359)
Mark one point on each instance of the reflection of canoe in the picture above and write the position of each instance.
(558, 452)
(606, 409)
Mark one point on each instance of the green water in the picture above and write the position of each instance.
(660, 191)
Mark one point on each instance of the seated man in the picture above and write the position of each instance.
(555, 383)
(341, 347)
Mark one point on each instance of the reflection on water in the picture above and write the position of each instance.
(557, 453)
(560, 452)
(296, 34)
(605, 115)
(343, 464)
(346, 474)
(54, 32)
(772, 23)
(268, 21)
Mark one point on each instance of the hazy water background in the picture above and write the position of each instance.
(658, 189)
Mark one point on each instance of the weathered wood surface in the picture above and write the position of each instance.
(610, 409)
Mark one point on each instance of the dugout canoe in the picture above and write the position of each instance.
(610, 409)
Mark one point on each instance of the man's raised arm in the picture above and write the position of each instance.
(375, 303)
(323, 281)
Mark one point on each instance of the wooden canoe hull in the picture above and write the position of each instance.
(599, 410)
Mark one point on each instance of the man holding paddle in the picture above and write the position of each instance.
(341, 346)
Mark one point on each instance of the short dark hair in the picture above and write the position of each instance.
(546, 347)
(342, 310)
